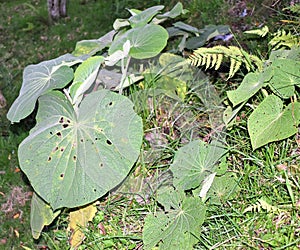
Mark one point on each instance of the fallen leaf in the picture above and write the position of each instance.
(79, 219)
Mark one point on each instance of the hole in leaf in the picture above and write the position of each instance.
(62, 149)
(58, 134)
(74, 157)
(95, 190)
(101, 165)
(55, 149)
(49, 159)
(61, 120)
(81, 140)
(111, 103)
(61, 176)
(68, 121)
(51, 133)
(108, 142)
(65, 125)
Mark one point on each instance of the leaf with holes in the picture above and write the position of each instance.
(270, 122)
(194, 162)
(73, 158)
(146, 41)
(181, 221)
(38, 80)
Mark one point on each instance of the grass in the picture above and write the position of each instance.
(270, 173)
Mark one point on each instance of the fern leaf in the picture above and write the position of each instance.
(219, 61)
(261, 204)
(208, 61)
(283, 39)
(213, 57)
(259, 32)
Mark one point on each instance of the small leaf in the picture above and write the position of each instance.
(222, 188)
(194, 162)
(78, 220)
(270, 122)
(180, 223)
(142, 18)
(251, 83)
(84, 77)
(91, 47)
(41, 215)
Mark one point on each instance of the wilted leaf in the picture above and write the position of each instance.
(78, 220)
(41, 214)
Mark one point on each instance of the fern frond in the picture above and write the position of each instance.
(213, 57)
(261, 204)
(283, 39)
(259, 32)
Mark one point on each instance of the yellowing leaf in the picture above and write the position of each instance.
(78, 220)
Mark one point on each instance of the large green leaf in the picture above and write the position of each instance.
(41, 214)
(146, 41)
(174, 228)
(270, 122)
(73, 159)
(194, 162)
(37, 80)
(286, 76)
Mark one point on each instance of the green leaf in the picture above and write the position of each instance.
(222, 188)
(73, 159)
(142, 18)
(38, 80)
(146, 41)
(270, 122)
(84, 77)
(194, 162)
(41, 215)
(173, 13)
(286, 76)
(251, 83)
(173, 230)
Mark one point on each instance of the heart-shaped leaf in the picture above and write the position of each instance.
(146, 41)
(37, 80)
(270, 122)
(194, 162)
(251, 83)
(72, 159)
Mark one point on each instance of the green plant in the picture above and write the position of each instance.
(84, 142)
(270, 120)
